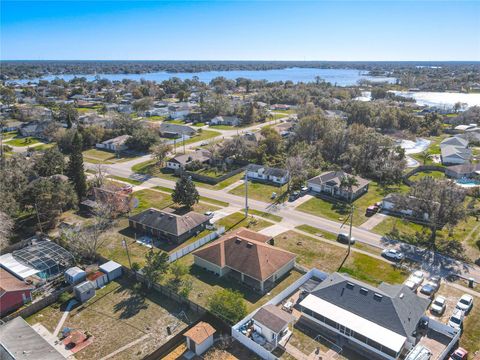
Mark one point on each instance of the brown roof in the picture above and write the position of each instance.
(253, 235)
(273, 317)
(9, 283)
(200, 332)
(246, 255)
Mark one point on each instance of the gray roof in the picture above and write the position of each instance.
(85, 286)
(199, 155)
(176, 129)
(269, 171)
(273, 317)
(394, 307)
(460, 152)
(334, 178)
(169, 222)
(455, 141)
(110, 266)
(74, 271)
(24, 343)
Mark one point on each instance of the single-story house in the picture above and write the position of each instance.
(225, 120)
(14, 293)
(246, 257)
(462, 128)
(176, 131)
(454, 150)
(279, 107)
(467, 170)
(397, 204)
(18, 340)
(116, 144)
(157, 112)
(34, 128)
(183, 160)
(267, 174)
(180, 110)
(272, 323)
(168, 226)
(330, 183)
(377, 323)
(200, 337)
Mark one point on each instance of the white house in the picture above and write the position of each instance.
(272, 323)
(455, 151)
(200, 337)
(115, 144)
(179, 110)
(330, 183)
(267, 174)
(395, 204)
(183, 160)
(225, 120)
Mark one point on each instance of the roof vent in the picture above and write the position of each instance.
(249, 244)
(363, 291)
(401, 296)
(350, 285)
(378, 297)
(238, 241)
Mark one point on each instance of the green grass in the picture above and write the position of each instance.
(223, 127)
(433, 149)
(214, 201)
(338, 211)
(423, 174)
(43, 147)
(237, 220)
(317, 232)
(315, 253)
(155, 118)
(176, 121)
(22, 141)
(96, 156)
(260, 191)
(199, 124)
(265, 215)
(201, 136)
(127, 180)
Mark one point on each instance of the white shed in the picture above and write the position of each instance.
(75, 275)
(112, 269)
(200, 337)
(84, 291)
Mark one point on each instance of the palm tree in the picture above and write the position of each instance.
(425, 155)
(348, 182)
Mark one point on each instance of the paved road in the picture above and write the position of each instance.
(433, 263)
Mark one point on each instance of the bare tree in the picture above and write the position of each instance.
(99, 176)
(6, 226)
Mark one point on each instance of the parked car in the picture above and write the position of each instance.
(127, 188)
(431, 287)
(274, 195)
(412, 285)
(294, 196)
(393, 254)
(345, 239)
(416, 277)
(209, 214)
(456, 320)
(439, 305)
(465, 303)
(304, 190)
(459, 354)
(371, 210)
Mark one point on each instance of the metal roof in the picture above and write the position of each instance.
(20, 270)
(110, 266)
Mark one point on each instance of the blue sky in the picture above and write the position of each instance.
(233, 30)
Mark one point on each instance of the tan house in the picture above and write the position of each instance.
(247, 257)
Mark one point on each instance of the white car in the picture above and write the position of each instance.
(393, 254)
(210, 214)
(412, 285)
(438, 305)
(465, 303)
(417, 278)
(456, 320)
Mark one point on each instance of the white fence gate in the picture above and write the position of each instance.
(189, 248)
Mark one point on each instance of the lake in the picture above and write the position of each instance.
(340, 77)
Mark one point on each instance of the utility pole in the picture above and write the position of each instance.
(38, 218)
(246, 193)
(350, 229)
(183, 138)
(125, 245)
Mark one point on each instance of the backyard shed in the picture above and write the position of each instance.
(84, 291)
(98, 278)
(200, 337)
(75, 275)
(112, 269)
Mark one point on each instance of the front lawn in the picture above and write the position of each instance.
(201, 136)
(339, 210)
(96, 156)
(262, 192)
(237, 220)
(265, 215)
(22, 141)
(314, 253)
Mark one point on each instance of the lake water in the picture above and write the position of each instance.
(441, 99)
(340, 77)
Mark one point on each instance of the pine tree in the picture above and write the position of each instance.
(185, 192)
(75, 170)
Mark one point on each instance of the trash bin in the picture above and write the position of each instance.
(471, 282)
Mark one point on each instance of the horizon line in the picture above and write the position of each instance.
(220, 60)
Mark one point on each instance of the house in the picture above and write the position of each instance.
(179, 110)
(463, 128)
(225, 120)
(19, 341)
(168, 226)
(272, 323)
(397, 204)
(176, 131)
(454, 150)
(280, 107)
(35, 128)
(11, 125)
(377, 323)
(14, 293)
(267, 174)
(116, 144)
(246, 257)
(182, 161)
(157, 112)
(330, 183)
(467, 170)
(200, 337)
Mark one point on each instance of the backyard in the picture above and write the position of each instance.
(338, 211)
(118, 316)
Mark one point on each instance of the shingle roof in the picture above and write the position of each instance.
(464, 168)
(273, 317)
(200, 332)
(269, 171)
(334, 178)
(177, 129)
(394, 307)
(169, 222)
(454, 141)
(245, 254)
(9, 283)
(199, 155)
